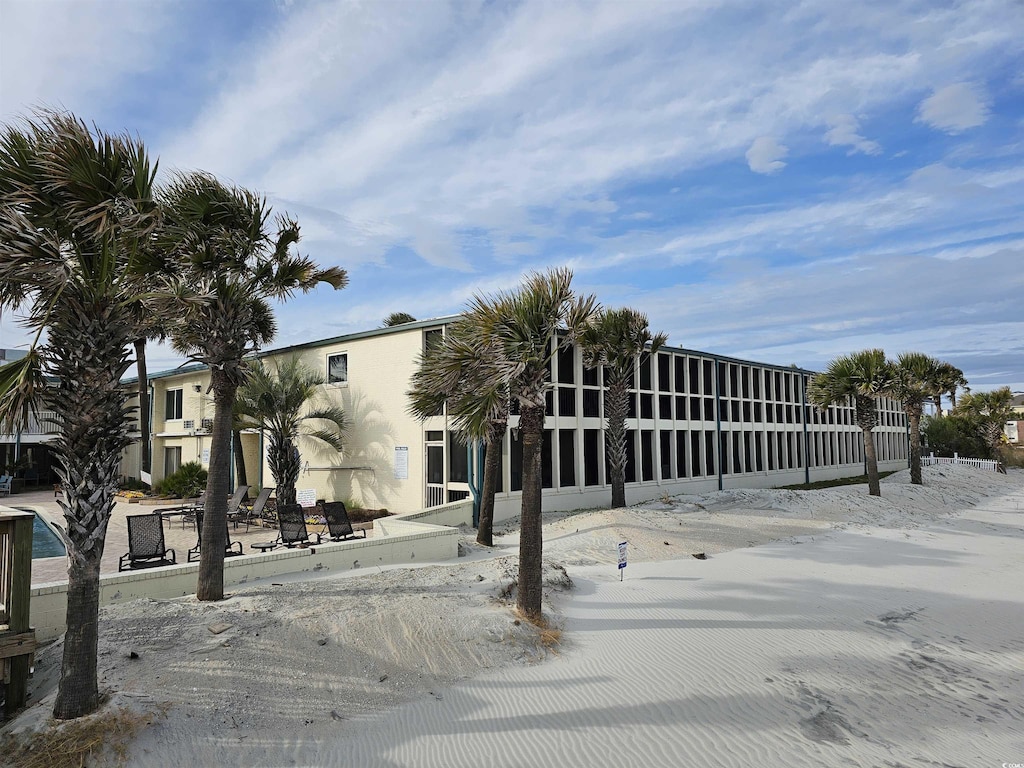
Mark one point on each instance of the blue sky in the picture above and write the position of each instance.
(783, 181)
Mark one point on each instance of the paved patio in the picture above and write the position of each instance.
(178, 537)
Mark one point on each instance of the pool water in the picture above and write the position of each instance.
(45, 542)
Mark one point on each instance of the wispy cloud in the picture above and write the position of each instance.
(456, 145)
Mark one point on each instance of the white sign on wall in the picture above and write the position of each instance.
(206, 455)
(305, 497)
(401, 462)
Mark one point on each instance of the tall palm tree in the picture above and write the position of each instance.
(616, 339)
(916, 381)
(462, 373)
(948, 379)
(279, 402)
(863, 377)
(519, 327)
(991, 410)
(75, 205)
(218, 238)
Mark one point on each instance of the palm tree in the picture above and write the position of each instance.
(461, 373)
(275, 402)
(863, 377)
(152, 327)
(991, 410)
(948, 379)
(75, 206)
(616, 339)
(916, 381)
(219, 240)
(398, 318)
(518, 328)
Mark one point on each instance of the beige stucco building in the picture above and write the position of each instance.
(698, 422)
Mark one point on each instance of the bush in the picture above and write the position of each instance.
(963, 435)
(187, 482)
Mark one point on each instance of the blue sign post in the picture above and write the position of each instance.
(622, 558)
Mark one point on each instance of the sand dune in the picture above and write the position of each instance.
(825, 628)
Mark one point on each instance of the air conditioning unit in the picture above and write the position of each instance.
(207, 424)
(188, 424)
(201, 431)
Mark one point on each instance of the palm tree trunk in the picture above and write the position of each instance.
(285, 463)
(937, 400)
(146, 457)
(78, 693)
(239, 454)
(93, 431)
(215, 512)
(531, 539)
(492, 455)
(914, 419)
(616, 405)
(871, 460)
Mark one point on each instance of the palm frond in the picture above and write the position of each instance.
(22, 385)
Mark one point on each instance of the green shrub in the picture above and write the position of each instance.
(963, 435)
(187, 482)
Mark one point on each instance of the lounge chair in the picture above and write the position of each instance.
(291, 521)
(339, 527)
(250, 513)
(5, 484)
(192, 515)
(146, 544)
(229, 545)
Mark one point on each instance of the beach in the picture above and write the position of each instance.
(821, 627)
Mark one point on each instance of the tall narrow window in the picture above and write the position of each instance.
(647, 455)
(458, 459)
(591, 448)
(172, 459)
(566, 457)
(172, 408)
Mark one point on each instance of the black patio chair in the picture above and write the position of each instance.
(291, 521)
(229, 545)
(339, 527)
(252, 513)
(146, 544)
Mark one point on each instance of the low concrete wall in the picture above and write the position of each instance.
(405, 541)
(453, 514)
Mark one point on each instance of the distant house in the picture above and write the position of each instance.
(697, 422)
(1015, 427)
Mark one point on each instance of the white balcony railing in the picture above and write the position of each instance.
(43, 423)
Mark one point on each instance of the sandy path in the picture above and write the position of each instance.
(869, 632)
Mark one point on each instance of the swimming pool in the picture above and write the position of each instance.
(45, 543)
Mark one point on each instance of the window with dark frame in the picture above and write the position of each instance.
(337, 368)
(172, 404)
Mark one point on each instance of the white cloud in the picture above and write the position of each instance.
(765, 155)
(955, 108)
(843, 132)
(75, 55)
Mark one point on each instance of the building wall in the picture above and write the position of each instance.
(698, 422)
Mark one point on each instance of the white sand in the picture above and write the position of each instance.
(869, 631)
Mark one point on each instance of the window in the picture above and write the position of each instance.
(432, 338)
(172, 407)
(172, 457)
(337, 368)
(566, 457)
(458, 459)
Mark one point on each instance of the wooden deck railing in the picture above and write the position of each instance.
(17, 639)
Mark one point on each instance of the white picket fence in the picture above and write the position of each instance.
(992, 464)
